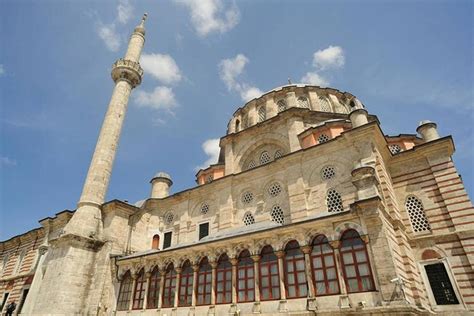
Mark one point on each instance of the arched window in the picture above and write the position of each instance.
(269, 277)
(334, 201)
(139, 292)
(125, 292)
(224, 280)
(417, 215)
(281, 106)
(324, 103)
(278, 154)
(265, 158)
(295, 272)
(323, 138)
(303, 102)
(355, 263)
(156, 242)
(237, 125)
(250, 165)
(245, 278)
(249, 219)
(154, 289)
(204, 286)
(186, 285)
(262, 114)
(323, 264)
(394, 149)
(169, 287)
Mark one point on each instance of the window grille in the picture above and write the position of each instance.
(295, 276)
(265, 158)
(334, 201)
(245, 278)
(209, 178)
(203, 293)
(394, 149)
(269, 275)
(224, 280)
(186, 285)
(262, 114)
(328, 173)
(323, 264)
(125, 292)
(204, 208)
(248, 219)
(324, 103)
(247, 197)
(303, 102)
(323, 138)
(169, 217)
(281, 106)
(169, 287)
(417, 215)
(251, 165)
(278, 154)
(277, 215)
(440, 284)
(139, 293)
(154, 289)
(274, 189)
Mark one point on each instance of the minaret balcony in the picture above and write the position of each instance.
(128, 70)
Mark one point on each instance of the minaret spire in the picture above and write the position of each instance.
(81, 247)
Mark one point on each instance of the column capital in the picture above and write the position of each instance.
(234, 261)
(178, 270)
(148, 274)
(335, 244)
(195, 267)
(213, 264)
(306, 249)
(365, 238)
(280, 253)
(255, 258)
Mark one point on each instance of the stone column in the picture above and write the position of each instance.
(428, 131)
(309, 275)
(134, 284)
(213, 281)
(358, 117)
(344, 298)
(291, 99)
(195, 280)
(234, 262)
(162, 285)
(176, 291)
(147, 288)
(256, 274)
(281, 271)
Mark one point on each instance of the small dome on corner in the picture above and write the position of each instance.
(162, 175)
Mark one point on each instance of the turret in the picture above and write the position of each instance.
(160, 185)
(428, 130)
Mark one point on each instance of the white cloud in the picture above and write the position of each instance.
(211, 149)
(5, 161)
(161, 98)
(161, 67)
(229, 71)
(314, 79)
(331, 57)
(124, 11)
(110, 37)
(208, 16)
(2, 70)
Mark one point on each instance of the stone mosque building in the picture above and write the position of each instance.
(310, 210)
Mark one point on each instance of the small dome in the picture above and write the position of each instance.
(162, 175)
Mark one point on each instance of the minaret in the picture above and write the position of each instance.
(77, 263)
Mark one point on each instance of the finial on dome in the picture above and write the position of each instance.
(141, 27)
(145, 15)
(289, 80)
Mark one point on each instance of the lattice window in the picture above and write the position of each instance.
(262, 114)
(277, 214)
(274, 189)
(417, 215)
(281, 106)
(278, 154)
(204, 208)
(169, 217)
(209, 178)
(247, 197)
(334, 201)
(323, 138)
(394, 148)
(303, 102)
(251, 165)
(249, 219)
(265, 158)
(324, 103)
(328, 173)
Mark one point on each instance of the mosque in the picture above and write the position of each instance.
(310, 210)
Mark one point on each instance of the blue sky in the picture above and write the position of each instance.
(405, 60)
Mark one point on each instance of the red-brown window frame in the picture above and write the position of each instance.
(355, 236)
(155, 244)
(266, 253)
(318, 241)
(294, 245)
(205, 270)
(169, 288)
(185, 296)
(223, 268)
(154, 289)
(126, 280)
(245, 264)
(139, 291)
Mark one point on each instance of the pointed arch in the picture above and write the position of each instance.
(125, 291)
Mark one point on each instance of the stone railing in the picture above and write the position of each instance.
(128, 70)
